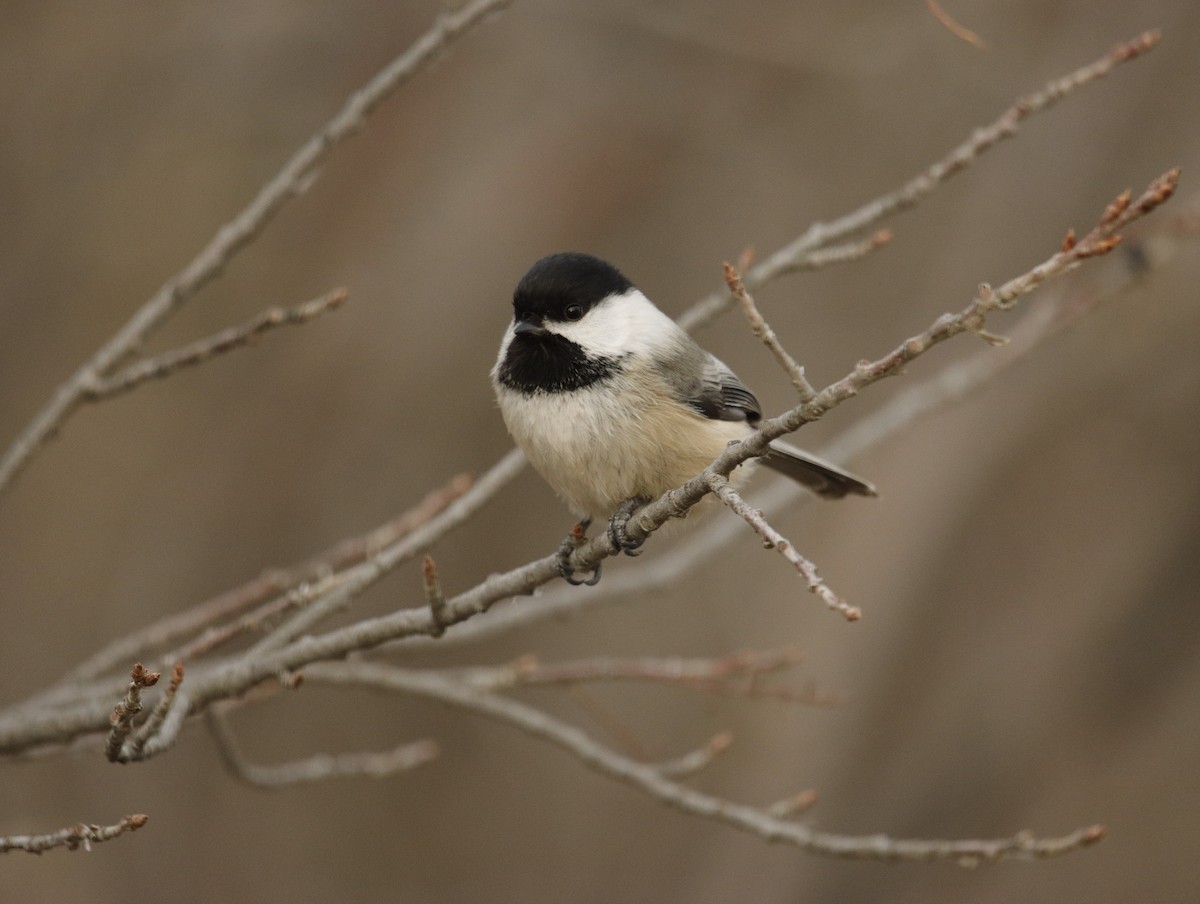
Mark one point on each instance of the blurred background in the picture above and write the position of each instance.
(1027, 657)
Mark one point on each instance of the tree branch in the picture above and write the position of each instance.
(263, 591)
(1099, 241)
(773, 539)
(77, 709)
(762, 329)
(706, 675)
(659, 784)
(318, 768)
(293, 179)
(72, 837)
(22, 730)
(799, 253)
(204, 350)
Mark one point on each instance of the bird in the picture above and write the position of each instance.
(614, 404)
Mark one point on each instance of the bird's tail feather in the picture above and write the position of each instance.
(822, 477)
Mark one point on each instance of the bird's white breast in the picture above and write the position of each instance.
(624, 437)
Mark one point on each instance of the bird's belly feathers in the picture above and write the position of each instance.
(603, 444)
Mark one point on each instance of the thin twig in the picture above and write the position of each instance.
(960, 32)
(153, 724)
(255, 620)
(293, 179)
(434, 596)
(774, 539)
(654, 782)
(302, 581)
(317, 768)
(697, 760)
(169, 726)
(737, 673)
(294, 582)
(797, 803)
(528, 670)
(73, 837)
(205, 349)
(845, 253)
(126, 711)
(763, 331)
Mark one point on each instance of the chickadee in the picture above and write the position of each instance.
(614, 404)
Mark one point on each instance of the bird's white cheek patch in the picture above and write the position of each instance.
(629, 324)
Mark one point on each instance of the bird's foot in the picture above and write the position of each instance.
(570, 543)
(618, 526)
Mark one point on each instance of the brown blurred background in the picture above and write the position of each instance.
(1028, 657)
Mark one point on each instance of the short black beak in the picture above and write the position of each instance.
(530, 327)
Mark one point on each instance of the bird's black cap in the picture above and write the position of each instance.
(566, 278)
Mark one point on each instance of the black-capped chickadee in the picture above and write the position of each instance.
(614, 404)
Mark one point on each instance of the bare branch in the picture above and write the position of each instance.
(168, 725)
(72, 837)
(301, 580)
(205, 349)
(27, 727)
(653, 781)
(265, 589)
(794, 255)
(354, 581)
(774, 539)
(763, 331)
(1100, 240)
(840, 254)
(293, 179)
(317, 768)
(737, 673)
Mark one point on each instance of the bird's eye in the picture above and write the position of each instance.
(573, 311)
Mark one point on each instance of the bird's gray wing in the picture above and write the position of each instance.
(708, 387)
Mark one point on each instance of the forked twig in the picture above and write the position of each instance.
(773, 539)
(317, 768)
(202, 350)
(80, 835)
(127, 710)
